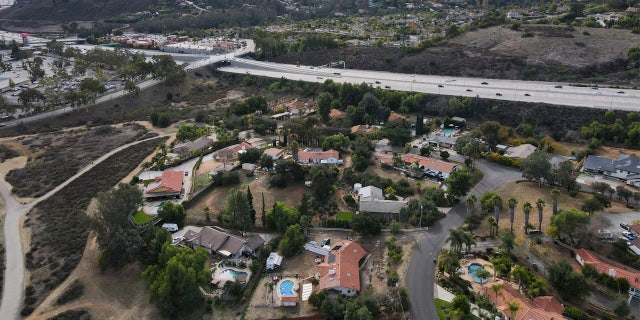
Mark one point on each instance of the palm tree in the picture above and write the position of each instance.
(555, 193)
(512, 208)
(496, 288)
(491, 222)
(470, 201)
(513, 307)
(467, 239)
(526, 207)
(540, 204)
(448, 261)
(497, 205)
(483, 274)
(456, 239)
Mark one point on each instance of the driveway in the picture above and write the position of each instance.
(420, 275)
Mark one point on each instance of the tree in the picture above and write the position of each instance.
(501, 265)
(459, 183)
(592, 205)
(305, 224)
(365, 224)
(565, 175)
(526, 208)
(173, 282)
(250, 155)
(448, 261)
(540, 205)
(496, 287)
(189, 132)
(397, 132)
(507, 239)
(28, 96)
(513, 307)
(172, 213)
(116, 205)
(566, 223)
(497, 205)
(322, 178)
(570, 284)
(536, 166)
(555, 193)
(292, 241)
(456, 239)
(34, 67)
(251, 208)
(624, 193)
(281, 217)
(266, 162)
(237, 212)
(461, 305)
(336, 142)
(512, 208)
(323, 105)
(470, 202)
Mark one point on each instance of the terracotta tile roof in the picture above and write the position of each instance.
(231, 151)
(317, 155)
(337, 114)
(429, 163)
(588, 257)
(362, 129)
(169, 182)
(341, 266)
(635, 228)
(528, 309)
(293, 298)
(394, 116)
(549, 303)
(274, 152)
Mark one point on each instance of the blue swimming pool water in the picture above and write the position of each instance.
(448, 132)
(473, 268)
(286, 288)
(230, 274)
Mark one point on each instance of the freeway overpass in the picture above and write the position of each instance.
(511, 90)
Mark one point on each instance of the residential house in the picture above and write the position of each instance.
(625, 168)
(275, 153)
(439, 141)
(256, 142)
(541, 308)
(219, 241)
(340, 269)
(231, 152)
(371, 199)
(520, 152)
(394, 116)
(192, 146)
(584, 256)
(168, 185)
(337, 114)
(319, 157)
(430, 166)
(363, 129)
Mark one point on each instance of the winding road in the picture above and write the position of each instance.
(14, 274)
(421, 272)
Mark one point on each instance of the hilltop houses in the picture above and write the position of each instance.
(319, 157)
(219, 241)
(167, 185)
(625, 168)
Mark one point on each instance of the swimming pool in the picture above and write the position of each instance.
(286, 288)
(448, 132)
(473, 268)
(230, 274)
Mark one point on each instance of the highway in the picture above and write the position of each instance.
(511, 90)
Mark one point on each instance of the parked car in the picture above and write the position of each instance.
(559, 86)
(628, 235)
(440, 86)
(499, 94)
(624, 226)
(485, 83)
(527, 95)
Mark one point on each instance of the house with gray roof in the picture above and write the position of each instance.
(625, 168)
(192, 146)
(219, 241)
(372, 199)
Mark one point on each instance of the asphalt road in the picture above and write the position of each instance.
(421, 272)
(512, 90)
(13, 290)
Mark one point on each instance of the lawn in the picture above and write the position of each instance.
(141, 218)
(345, 216)
(201, 181)
(442, 306)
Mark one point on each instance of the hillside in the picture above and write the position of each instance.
(72, 10)
(499, 52)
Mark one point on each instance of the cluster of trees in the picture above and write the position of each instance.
(191, 132)
(250, 105)
(272, 44)
(615, 129)
(286, 171)
(239, 212)
(569, 283)
(364, 307)
(424, 211)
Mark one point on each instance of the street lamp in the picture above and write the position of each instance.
(421, 207)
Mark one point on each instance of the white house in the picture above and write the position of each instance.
(274, 261)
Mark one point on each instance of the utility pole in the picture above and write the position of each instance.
(421, 207)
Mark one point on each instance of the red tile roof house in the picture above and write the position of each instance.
(540, 308)
(169, 184)
(319, 157)
(231, 152)
(437, 167)
(584, 256)
(340, 270)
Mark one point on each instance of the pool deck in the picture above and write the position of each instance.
(287, 300)
(464, 273)
(217, 270)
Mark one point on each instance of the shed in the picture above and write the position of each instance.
(171, 227)
(248, 166)
(273, 261)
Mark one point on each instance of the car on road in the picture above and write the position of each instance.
(620, 92)
(469, 90)
(558, 86)
(319, 77)
(527, 95)
(440, 86)
(15, 94)
(485, 83)
(499, 94)
(377, 82)
(624, 226)
(450, 80)
(387, 87)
